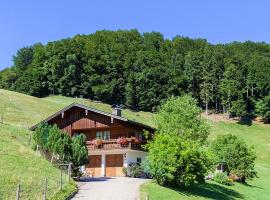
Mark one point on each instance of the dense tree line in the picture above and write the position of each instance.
(142, 70)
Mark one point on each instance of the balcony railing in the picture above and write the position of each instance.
(113, 144)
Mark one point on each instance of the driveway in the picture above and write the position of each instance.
(113, 188)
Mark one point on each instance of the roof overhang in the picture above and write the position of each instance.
(92, 110)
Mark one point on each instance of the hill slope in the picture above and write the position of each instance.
(20, 165)
(22, 111)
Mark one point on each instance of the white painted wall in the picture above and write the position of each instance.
(131, 157)
(103, 165)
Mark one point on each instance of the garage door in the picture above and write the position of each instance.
(114, 165)
(94, 166)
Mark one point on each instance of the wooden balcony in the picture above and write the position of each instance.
(113, 144)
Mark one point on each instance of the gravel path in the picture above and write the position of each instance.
(114, 188)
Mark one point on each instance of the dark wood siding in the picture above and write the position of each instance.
(76, 120)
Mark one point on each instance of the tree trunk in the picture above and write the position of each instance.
(206, 109)
(216, 102)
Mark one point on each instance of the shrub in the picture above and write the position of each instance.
(223, 179)
(79, 152)
(134, 170)
(124, 170)
(176, 162)
(235, 153)
(41, 135)
(176, 153)
(51, 139)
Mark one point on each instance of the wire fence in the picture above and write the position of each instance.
(34, 187)
(38, 189)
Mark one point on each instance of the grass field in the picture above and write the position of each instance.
(20, 165)
(256, 135)
(21, 111)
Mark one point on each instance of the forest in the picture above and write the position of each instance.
(142, 70)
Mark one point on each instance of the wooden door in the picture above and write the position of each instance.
(94, 166)
(114, 165)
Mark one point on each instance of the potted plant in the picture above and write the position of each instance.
(98, 142)
(122, 141)
(135, 140)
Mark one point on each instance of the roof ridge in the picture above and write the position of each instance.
(91, 109)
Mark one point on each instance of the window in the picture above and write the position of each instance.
(103, 135)
(139, 136)
(139, 160)
(76, 134)
(98, 135)
(106, 135)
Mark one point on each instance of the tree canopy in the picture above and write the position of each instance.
(239, 158)
(143, 70)
(176, 155)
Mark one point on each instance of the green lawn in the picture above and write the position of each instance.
(256, 135)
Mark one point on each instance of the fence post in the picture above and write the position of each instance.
(147, 197)
(69, 171)
(18, 192)
(29, 141)
(60, 179)
(45, 189)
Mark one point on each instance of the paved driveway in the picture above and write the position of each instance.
(114, 188)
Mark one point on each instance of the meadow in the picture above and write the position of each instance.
(19, 163)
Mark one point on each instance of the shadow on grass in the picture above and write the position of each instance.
(211, 191)
(245, 121)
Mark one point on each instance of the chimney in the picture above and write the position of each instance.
(117, 111)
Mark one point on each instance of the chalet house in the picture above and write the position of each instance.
(113, 141)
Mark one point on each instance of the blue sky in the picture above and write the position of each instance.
(25, 22)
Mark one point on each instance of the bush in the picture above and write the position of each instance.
(134, 170)
(176, 153)
(124, 170)
(176, 162)
(223, 179)
(53, 141)
(235, 153)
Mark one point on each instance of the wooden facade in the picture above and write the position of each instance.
(79, 119)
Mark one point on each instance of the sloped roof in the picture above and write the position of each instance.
(92, 110)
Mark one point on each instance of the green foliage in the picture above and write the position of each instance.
(263, 108)
(53, 140)
(181, 116)
(222, 178)
(79, 150)
(134, 170)
(143, 70)
(240, 159)
(176, 154)
(54, 137)
(41, 135)
(174, 161)
(66, 192)
(238, 108)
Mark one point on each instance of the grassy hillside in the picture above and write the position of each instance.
(256, 135)
(20, 165)
(24, 111)
(21, 111)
